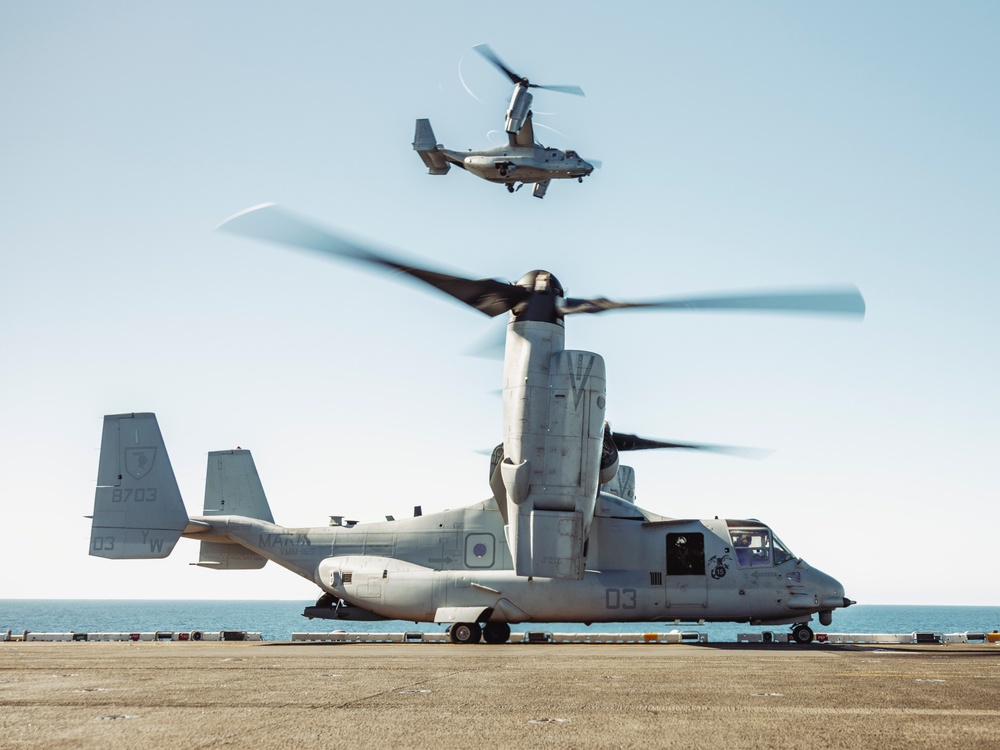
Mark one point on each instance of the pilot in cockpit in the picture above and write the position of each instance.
(744, 555)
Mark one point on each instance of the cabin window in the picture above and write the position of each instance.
(480, 551)
(685, 554)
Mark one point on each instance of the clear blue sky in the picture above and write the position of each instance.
(745, 146)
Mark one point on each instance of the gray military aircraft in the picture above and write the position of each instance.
(559, 540)
(522, 160)
(519, 162)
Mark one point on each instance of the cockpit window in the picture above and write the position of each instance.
(752, 546)
(757, 547)
(781, 552)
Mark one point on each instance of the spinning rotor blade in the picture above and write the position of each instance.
(575, 90)
(843, 301)
(489, 54)
(270, 223)
(625, 442)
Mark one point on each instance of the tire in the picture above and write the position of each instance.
(802, 634)
(496, 632)
(465, 632)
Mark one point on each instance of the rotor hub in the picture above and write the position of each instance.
(542, 304)
(541, 282)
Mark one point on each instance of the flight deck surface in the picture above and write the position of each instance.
(309, 695)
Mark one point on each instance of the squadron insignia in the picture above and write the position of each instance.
(139, 461)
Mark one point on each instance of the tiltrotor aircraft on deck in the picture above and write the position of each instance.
(559, 540)
(522, 160)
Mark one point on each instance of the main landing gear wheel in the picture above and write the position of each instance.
(802, 634)
(465, 632)
(496, 632)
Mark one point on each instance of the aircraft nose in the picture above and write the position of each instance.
(836, 602)
(831, 592)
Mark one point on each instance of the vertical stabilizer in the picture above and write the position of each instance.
(426, 145)
(138, 511)
(233, 488)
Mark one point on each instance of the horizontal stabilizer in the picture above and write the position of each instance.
(228, 556)
(138, 511)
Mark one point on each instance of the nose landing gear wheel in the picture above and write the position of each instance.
(496, 632)
(465, 632)
(802, 634)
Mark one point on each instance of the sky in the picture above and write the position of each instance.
(745, 146)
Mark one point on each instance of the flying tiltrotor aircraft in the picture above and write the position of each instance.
(522, 160)
(559, 540)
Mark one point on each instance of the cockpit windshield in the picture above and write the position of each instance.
(781, 552)
(756, 547)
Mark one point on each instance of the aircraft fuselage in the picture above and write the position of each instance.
(505, 164)
(640, 568)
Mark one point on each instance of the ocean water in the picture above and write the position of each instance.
(277, 620)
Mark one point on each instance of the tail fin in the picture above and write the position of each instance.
(426, 145)
(232, 487)
(138, 511)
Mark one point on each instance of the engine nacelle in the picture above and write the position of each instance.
(517, 113)
(609, 457)
(622, 485)
(551, 469)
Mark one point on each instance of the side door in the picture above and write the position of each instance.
(686, 583)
